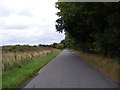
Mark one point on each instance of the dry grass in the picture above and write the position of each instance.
(14, 78)
(11, 59)
(108, 66)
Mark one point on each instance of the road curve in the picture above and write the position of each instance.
(68, 70)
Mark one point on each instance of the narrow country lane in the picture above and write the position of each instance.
(68, 70)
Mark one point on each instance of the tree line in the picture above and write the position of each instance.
(24, 48)
(90, 27)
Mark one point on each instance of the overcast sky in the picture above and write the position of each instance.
(28, 22)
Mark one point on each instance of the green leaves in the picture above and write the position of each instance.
(91, 27)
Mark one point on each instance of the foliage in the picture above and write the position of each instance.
(22, 48)
(90, 27)
(60, 46)
(54, 45)
(44, 45)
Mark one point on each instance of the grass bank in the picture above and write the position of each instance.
(108, 66)
(13, 78)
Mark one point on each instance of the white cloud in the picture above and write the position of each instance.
(28, 22)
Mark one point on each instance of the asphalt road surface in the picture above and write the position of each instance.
(68, 70)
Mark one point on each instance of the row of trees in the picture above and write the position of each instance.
(24, 48)
(90, 27)
(54, 45)
(58, 45)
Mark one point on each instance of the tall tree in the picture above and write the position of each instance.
(90, 27)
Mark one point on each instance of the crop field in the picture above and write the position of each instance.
(17, 55)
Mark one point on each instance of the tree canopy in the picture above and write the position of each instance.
(90, 27)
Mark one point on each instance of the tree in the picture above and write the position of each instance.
(54, 45)
(90, 27)
(60, 46)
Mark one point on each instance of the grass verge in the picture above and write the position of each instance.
(108, 66)
(16, 76)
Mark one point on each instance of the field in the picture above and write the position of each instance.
(19, 63)
(16, 55)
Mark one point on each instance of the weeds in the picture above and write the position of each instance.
(109, 66)
(12, 56)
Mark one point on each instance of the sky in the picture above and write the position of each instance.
(28, 22)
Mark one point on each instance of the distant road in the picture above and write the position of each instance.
(68, 70)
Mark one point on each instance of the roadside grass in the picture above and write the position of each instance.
(108, 66)
(13, 78)
(11, 59)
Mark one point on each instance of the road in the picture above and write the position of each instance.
(68, 70)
